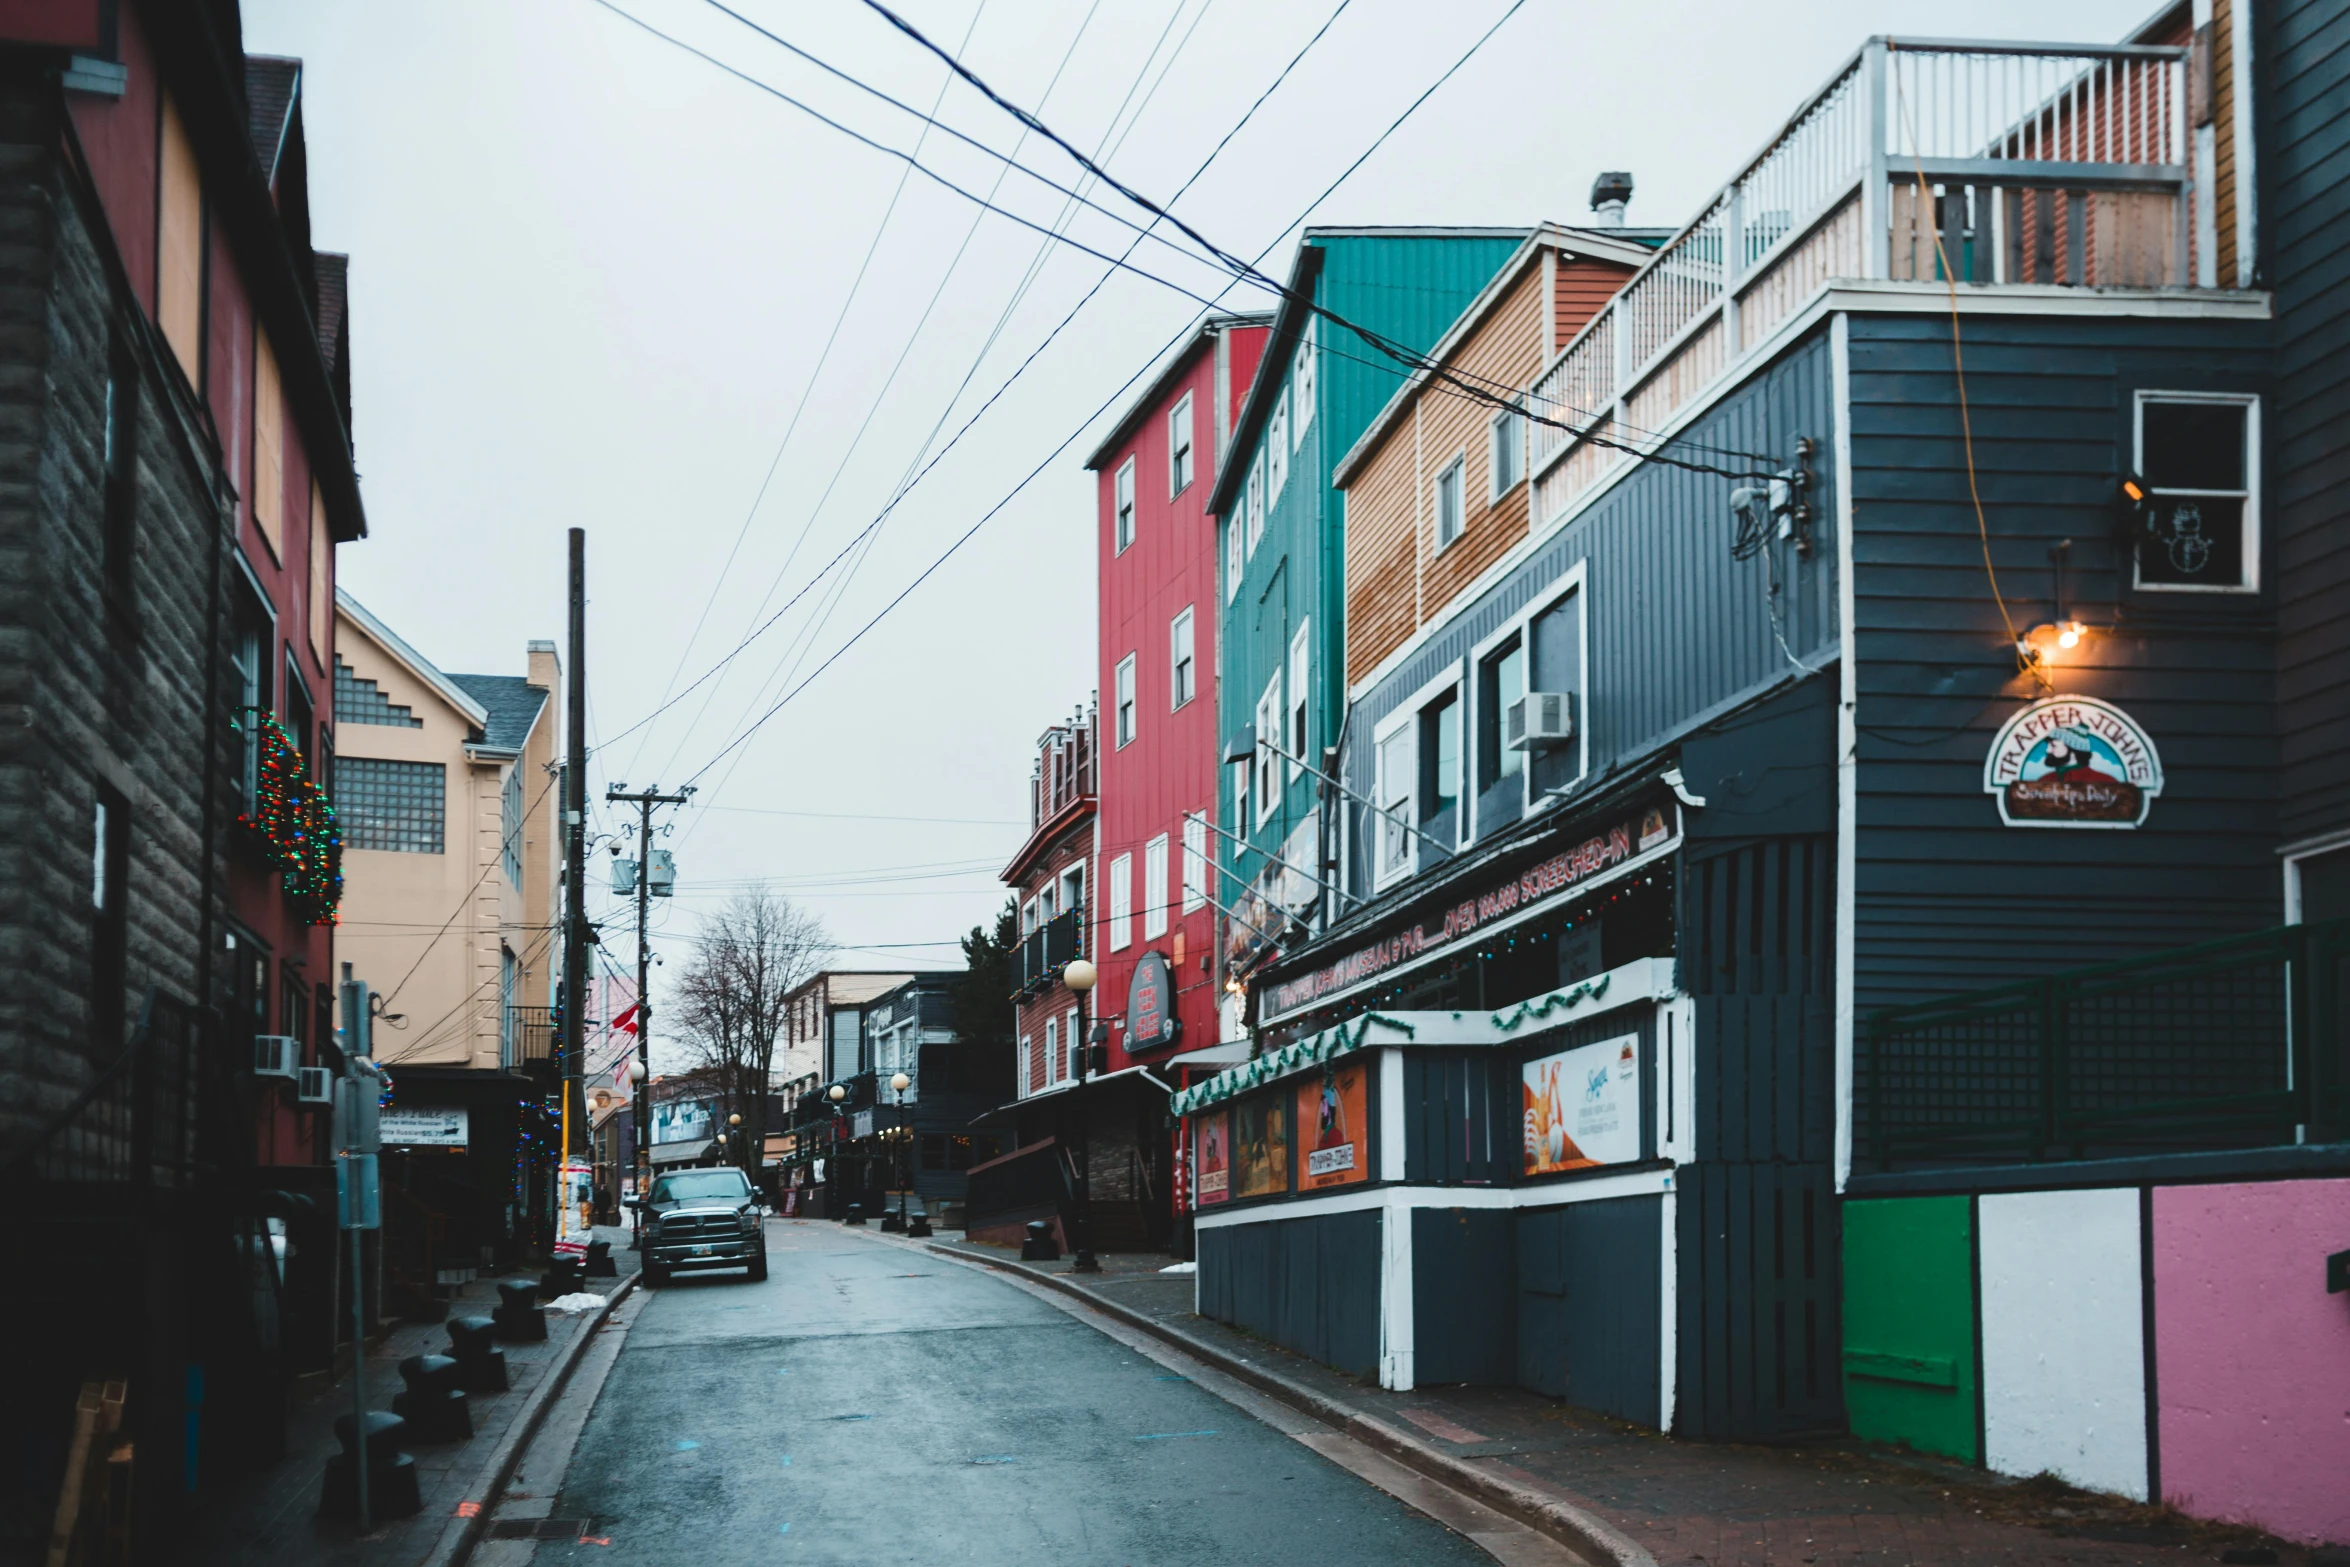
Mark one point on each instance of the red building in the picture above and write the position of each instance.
(1153, 933)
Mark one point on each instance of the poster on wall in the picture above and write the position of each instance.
(1260, 1145)
(1583, 1107)
(1333, 1127)
(1211, 1137)
(2072, 761)
(425, 1126)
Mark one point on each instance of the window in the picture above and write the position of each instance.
(507, 1022)
(1501, 680)
(1240, 781)
(361, 701)
(322, 580)
(1073, 890)
(1195, 863)
(1300, 686)
(1154, 888)
(1508, 436)
(1556, 635)
(399, 806)
(269, 448)
(1052, 1050)
(1123, 493)
(1255, 502)
(1179, 447)
(1183, 680)
(1122, 903)
(1448, 502)
(1028, 918)
(256, 701)
(1301, 381)
(109, 917)
(2199, 457)
(1268, 742)
(1395, 802)
(121, 461)
(179, 246)
(1277, 448)
(1440, 765)
(1069, 1034)
(1028, 1067)
(1235, 537)
(1126, 700)
(510, 827)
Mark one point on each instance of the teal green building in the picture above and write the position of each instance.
(1282, 550)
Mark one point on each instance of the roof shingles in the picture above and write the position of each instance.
(513, 705)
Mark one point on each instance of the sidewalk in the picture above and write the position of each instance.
(1679, 1504)
(272, 1520)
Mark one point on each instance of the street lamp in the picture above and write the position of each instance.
(1081, 976)
(735, 1141)
(639, 1173)
(899, 1082)
(836, 1093)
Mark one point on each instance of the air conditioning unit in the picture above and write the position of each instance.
(276, 1055)
(314, 1085)
(1539, 720)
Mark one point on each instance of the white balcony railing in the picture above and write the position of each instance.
(1920, 159)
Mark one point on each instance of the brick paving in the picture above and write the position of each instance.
(271, 1520)
(1703, 1504)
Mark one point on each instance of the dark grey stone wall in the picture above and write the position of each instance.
(90, 691)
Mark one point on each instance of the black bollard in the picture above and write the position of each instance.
(481, 1365)
(392, 1491)
(919, 1225)
(434, 1405)
(518, 1318)
(1040, 1246)
(599, 1261)
(562, 1277)
(856, 1213)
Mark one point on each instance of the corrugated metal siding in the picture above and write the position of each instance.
(1678, 630)
(2305, 229)
(1947, 898)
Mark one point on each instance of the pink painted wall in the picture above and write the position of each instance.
(2252, 1356)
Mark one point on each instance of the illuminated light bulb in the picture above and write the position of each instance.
(2070, 636)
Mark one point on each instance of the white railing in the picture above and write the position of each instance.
(1993, 162)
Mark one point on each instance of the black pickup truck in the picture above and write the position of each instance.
(703, 1219)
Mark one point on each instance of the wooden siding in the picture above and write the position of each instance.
(1946, 898)
(1590, 1278)
(1760, 1339)
(1311, 1285)
(2305, 222)
(1677, 631)
(2223, 120)
(1579, 289)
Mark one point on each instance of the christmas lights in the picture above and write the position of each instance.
(295, 822)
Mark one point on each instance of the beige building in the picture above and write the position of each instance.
(445, 793)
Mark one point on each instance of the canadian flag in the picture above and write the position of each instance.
(626, 1021)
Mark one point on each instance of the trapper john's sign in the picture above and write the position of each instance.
(1498, 901)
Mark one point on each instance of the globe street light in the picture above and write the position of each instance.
(836, 1093)
(1081, 976)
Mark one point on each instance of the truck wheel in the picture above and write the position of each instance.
(759, 1267)
(655, 1277)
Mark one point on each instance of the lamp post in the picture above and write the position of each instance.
(836, 1093)
(899, 1082)
(734, 1142)
(1081, 976)
(638, 1139)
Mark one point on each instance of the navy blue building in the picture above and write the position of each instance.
(1930, 586)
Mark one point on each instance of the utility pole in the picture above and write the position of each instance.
(644, 800)
(575, 931)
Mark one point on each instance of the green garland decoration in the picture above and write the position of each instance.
(294, 822)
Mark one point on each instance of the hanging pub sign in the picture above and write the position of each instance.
(2072, 761)
(1151, 1023)
(1479, 909)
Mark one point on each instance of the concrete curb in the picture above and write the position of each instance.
(461, 1534)
(1592, 1536)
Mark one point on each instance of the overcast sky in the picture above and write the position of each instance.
(593, 280)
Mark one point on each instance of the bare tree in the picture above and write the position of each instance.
(730, 1004)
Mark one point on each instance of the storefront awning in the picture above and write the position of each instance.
(1070, 1085)
(1642, 979)
(1230, 1053)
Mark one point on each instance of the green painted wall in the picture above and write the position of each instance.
(1409, 287)
(1909, 1323)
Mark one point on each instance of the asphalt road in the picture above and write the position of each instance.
(871, 1404)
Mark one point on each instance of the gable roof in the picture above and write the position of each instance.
(271, 82)
(350, 609)
(1176, 366)
(513, 705)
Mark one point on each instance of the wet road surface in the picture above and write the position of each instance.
(872, 1404)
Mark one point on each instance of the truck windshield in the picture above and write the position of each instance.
(695, 1185)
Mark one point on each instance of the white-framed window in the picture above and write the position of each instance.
(1073, 888)
(1028, 918)
(1301, 383)
(2199, 453)
(1301, 669)
(1182, 666)
(1028, 1073)
(1122, 903)
(1179, 448)
(1397, 756)
(1507, 434)
(1268, 779)
(1154, 888)
(1450, 518)
(1195, 863)
(1254, 504)
(1122, 491)
(1052, 1050)
(1069, 1035)
(1125, 700)
(1241, 772)
(1235, 537)
(1277, 448)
